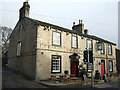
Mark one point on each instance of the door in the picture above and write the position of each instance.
(73, 68)
(102, 68)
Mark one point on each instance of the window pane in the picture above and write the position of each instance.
(74, 42)
(18, 48)
(55, 63)
(109, 49)
(89, 44)
(56, 38)
(110, 66)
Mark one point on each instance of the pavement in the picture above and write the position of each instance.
(12, 79)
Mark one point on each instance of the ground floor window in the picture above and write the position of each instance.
(56, 64)
(110, 66)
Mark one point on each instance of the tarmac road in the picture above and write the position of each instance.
(13, 80)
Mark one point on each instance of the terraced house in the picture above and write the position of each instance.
(38, 49)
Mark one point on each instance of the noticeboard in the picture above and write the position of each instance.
(89, 67)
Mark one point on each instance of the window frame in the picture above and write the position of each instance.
(87, 44)
(103, 49)
(53, 38)
(59, 64)
(109, 53)
(72, 41)
(110, 66)
(19, 46)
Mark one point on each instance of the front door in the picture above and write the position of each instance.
(73, 68)
(102, 68)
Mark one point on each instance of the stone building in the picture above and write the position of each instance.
(38, 49)
(118, 60)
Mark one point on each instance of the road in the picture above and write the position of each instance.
(14, 80)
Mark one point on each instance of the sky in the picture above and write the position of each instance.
(100, 17)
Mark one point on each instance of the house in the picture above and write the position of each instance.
(118, 60)
(38, 49)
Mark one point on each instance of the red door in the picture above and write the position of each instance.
(102, 69)
(73, 68)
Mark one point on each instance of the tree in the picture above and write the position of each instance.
(5, 33)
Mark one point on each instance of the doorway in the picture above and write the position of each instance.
(74, 68)
(102, 67)
(74, 61)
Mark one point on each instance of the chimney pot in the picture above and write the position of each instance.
(73, 23)
(81, 21)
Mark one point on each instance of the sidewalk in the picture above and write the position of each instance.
(82, 84)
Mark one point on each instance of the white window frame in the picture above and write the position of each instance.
(19, 48)
(110, 66)
(56, 38)
(74, 42)
(89, 44)
(56, 64)
(109, 49)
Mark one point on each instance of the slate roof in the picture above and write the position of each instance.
(70, 31)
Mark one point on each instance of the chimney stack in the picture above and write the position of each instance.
(85, 31)
(79, 27)
(24, 11)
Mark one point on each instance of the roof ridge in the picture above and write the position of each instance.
(69, 30)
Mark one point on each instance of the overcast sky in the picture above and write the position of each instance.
(100, 17)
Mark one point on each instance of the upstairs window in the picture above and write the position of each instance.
(18, 48)
(89, 44)
(74, 42)
(56, 64)
(57, 38)
(110, 49)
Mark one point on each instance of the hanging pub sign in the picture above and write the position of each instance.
(99, 46)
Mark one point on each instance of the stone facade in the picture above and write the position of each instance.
(35, 59)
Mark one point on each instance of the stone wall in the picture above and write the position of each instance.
(25, 31)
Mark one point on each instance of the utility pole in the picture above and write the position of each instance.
(92, 78)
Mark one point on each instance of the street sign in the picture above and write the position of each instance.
(89, 67)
